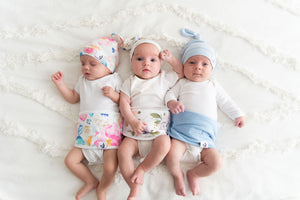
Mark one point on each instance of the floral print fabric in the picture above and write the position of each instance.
(99, 130)
(157, 124)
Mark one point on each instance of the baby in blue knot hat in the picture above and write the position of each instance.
(193, 102)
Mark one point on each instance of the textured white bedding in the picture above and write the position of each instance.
(258, 49)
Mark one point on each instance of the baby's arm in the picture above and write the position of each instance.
(113, 95)
(137, 126)
(70, 95)
(177, 66)
(171, 98)
(175, 106)
(227, 105)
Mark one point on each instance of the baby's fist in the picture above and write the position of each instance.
(107, 91)
(165, 55)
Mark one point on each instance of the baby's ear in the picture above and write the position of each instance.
(118, 39)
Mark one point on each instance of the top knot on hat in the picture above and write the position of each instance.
(196, 47)
(189, 33)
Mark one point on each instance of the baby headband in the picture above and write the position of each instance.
(196, 47)
(136, 41)
(105, 50)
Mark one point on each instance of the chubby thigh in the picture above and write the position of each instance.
(212, 158)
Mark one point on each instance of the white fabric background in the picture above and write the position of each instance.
(258, 48)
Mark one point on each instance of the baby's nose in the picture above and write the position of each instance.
(198, 67)
(86, 66)
(146, 63)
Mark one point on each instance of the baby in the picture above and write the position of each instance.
(146, 116)
(193, 103)
(100, 123)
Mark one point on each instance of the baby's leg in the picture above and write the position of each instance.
(173, 163)
(109, 170)
(126, 151)
(73, 162)
(211, 162)
(160, 148)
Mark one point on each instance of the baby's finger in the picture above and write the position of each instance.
(139, 132)
(55, 77)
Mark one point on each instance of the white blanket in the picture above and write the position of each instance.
(258, 48)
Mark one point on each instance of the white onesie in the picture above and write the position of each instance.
(203, 98)
(147, 103)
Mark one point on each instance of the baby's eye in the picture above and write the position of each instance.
(192, 62)
(139, 59)
(153, 60)
(205, 64)
(93, 64)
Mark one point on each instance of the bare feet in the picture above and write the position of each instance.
(134, 192)
(193, 183)
(138, 176)
(86, 189)
(179, 185)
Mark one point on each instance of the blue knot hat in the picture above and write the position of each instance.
(196, 47)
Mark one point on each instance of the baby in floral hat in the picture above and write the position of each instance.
(99, 126)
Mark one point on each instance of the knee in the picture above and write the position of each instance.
(216, 163)
(68, 161)
(172, 159)
(128, 148)
(110, 170)
(163, 143)
(121, 152)
(212, 159)
(75, 156)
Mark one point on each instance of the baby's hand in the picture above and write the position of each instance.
(108, 91)
(138, 126)
(239, 122)
(58, 77)
(165, 55)
(175, 106)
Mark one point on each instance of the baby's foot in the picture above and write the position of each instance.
(86, 189)
(138, 176)
(179, 185)
(193, 183)
(134, 192)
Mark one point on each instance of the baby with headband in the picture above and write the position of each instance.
(193, 102)
(146, 116)
(99, 127)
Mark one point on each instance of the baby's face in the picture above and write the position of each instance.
(92, 69)
(197, 68)
(145, 61)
